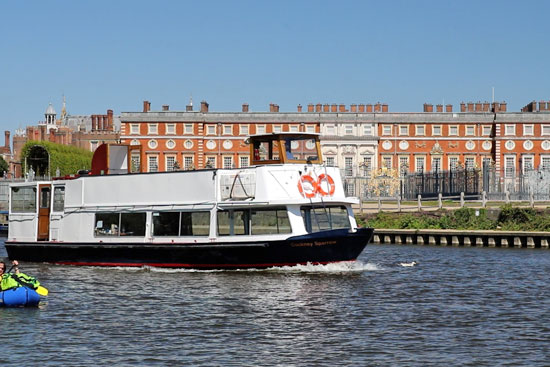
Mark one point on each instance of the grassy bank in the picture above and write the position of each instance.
(505, 218)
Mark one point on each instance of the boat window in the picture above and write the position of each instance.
(266, 150)
(58, 198)
(45, 197)
(120, 224)
(322, 218)
(255, 222)
(181, 223)
(23, 199)
(300, 149)
(269, 221)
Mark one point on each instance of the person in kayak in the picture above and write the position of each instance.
(15, 279)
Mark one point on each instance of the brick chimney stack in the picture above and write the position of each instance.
(146, 106)
(385, 107)
(7, 135)
(439, 108)
(245, 107)
(299, 108)
(204, 107)
(110, 120)
(428, 107)
(449, 108)
(310, 107)
(165, 107)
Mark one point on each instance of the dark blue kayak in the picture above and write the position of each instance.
(19, 297)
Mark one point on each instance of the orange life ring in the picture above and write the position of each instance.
(330, 182)
(313, 184)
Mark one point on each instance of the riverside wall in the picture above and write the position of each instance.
(462, 238)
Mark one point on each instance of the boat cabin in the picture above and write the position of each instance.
(280, 148)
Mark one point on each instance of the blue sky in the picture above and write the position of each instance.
(115, 54)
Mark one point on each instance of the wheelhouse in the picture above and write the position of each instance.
(280, 148)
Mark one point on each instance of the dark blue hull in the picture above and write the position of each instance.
(317, 248)
(19, 297)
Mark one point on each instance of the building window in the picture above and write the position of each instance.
(211, 130)
(310, 128)
(170, 129)
(152, 129)
(509, 166)
(420, 130)
(227, 162)
(294, 128)
(93, 145)
(403, 165)
(453, 130)
(329, 161)
(260, 129)
(386, 129)
(170, 162)
(470, 130)
(545, 129)
(152, 163)
(487, 130)
(277, 128)
(227, 130)
(453, 163)
(469, 163)
(244, 161)
(348, 166)
(436, 164)
(545, 162)
(367, 165)
(348, 129)
(330, 130)
(510, 130)
(486, 162)
(188, 163)
(210, 162)
(188, 129)
(135, 165)
(403, 130)
(387, 162)
(528, 163)
(528, 130)
(436, 130)
(367, 130)
(243, 130)
(134, 129)
(420, 164)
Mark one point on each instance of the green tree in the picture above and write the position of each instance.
(4, 167)
(45, 158)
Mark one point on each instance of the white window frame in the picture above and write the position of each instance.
(348, 166)
(210, 129)
(451, 128)
(403, 130)
(152, 129)
(348, 129)
(434, 127)
(420, 130)
(527, 158)
(277, 128)
(528, 127)
(225, 159)
(170, 129)
(170, 167)
(188, 162)
(403, 159)
(387, 161)
(331, 130)
(260, 129)
(150, 166)
(188, 129)
(417, 167)
(210, 158)
(453, 162)
(244, 129)
(367, 130)
(510, 130)
(509, 173)
(486, 130)
(310, 128)
(386, 130)
(440, 165)
(245, 159)
(470, 130)
(227, 129)
(545, 130)
(294, 128)
(469, 159)
(134, 129)
(330, 161)
(543, 158)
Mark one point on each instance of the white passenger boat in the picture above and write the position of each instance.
(287, 208)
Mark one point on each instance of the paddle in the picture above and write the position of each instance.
(43, 291)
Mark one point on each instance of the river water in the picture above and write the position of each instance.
(457, 307)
